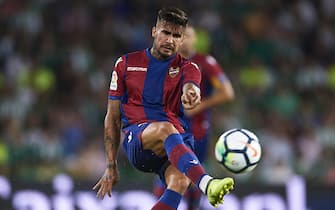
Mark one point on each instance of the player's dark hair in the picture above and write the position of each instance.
(173, 15)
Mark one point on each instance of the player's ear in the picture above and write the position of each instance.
(153, 31)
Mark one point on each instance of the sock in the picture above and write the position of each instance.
(193, 196)
(186, 161)
(204, 183)
(168, 201)
(159, 188)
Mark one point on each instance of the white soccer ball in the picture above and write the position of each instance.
(238, 150)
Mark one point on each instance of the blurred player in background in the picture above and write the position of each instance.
(150, 91)
(215, 89)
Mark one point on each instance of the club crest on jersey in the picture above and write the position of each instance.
(173, 72)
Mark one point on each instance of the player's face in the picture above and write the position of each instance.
(167, 39)
(187, 46)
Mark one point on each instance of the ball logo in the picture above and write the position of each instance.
(253, 149)
(173, 72)
(234, 163)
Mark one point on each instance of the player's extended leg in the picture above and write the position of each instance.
(193, 194)
(164, 139)
(177, 183)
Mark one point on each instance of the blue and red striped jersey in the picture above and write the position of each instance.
(150, 89)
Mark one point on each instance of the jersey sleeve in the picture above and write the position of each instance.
(214, 72)
(192, 73)
(116, 87)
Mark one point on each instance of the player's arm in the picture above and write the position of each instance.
(191, 96)
(112, 131)
(112, 142)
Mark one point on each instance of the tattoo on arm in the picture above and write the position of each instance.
(111, 144)
(111, 165)
(112, 134)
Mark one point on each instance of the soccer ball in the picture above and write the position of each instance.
(238, 150)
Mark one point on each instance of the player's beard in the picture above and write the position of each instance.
(162, 52)
(166, 51)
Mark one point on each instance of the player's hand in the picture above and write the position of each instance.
(194, 111)
(106, 182)
(191, 97)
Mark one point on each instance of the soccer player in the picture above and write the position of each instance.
(149, 92)
(215, 89)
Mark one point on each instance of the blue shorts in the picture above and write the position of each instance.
(145, 159)
(201, 148)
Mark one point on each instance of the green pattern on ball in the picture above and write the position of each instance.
(219, 150)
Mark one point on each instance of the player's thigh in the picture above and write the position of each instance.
(143, 159)
(154, 135)
(175, 180)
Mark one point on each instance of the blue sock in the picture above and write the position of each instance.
(168, 201)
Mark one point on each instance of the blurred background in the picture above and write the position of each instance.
(56, 57)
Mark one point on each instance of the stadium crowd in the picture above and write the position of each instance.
(56, 57)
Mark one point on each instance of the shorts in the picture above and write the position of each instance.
(146, 160)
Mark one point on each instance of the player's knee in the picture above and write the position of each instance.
(184, 183)
(165, 129)
(180, 184)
